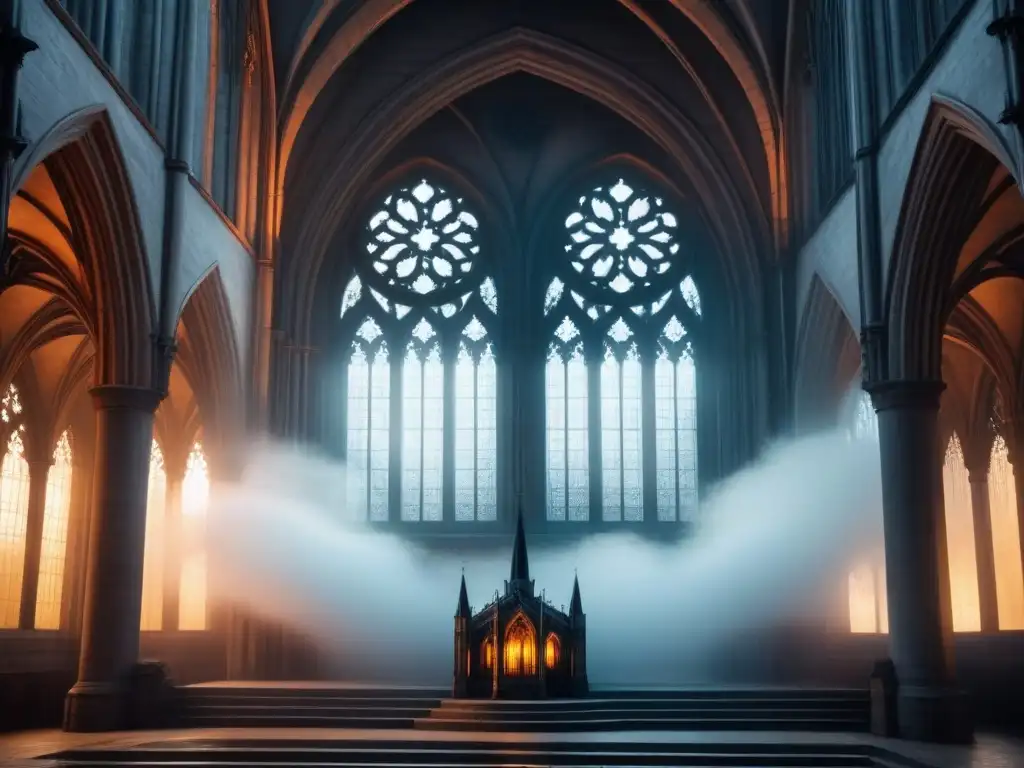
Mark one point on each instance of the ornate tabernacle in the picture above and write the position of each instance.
(519, 646)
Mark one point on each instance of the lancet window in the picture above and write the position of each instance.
(1002, 496)
(195, 493)
(418, 318)
(53, 549)
(154, 553)
(520, 647)
(868, 605)
(621, 311)
(14, 485)
(963, 564)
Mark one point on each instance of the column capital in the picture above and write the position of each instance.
(111, 396)
(978, 475)
(903, 393)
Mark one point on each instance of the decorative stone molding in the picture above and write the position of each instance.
(900, 394)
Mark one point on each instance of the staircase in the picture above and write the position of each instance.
(400, 753)
(429, 709)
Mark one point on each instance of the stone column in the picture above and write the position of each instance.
(38, 471)
(920, 637)
(113, 590)
(78, 538)
(983, 551)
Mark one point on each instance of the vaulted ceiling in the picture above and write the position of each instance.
(699, 80)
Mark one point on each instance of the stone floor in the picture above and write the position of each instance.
(990, 751)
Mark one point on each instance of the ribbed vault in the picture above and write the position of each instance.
(333, 31)
(323, 186)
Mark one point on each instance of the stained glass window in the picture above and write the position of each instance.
(622, 311)
(418, 311)
(868, 604)
(621, 442)
(422, 426)
(963, 566)
(14, 485)
(153, 553)
(567, 419)
(195, 494)
(55, 537)
(1002, 496)
(476, 426)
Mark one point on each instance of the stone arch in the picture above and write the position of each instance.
(737, 229)
(957, 153)
(371, 15)
(827, 357)
(209, 356)
(84, 160)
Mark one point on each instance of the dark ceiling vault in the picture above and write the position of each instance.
(685, 87)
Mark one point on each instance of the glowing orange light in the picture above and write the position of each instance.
(552, 651)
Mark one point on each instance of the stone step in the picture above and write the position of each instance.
(288, 720)
(728, 709)
(496, 754)
(191, 700)
(707, 713)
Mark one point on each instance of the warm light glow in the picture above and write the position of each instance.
(14, 485)
(195, 494)
(54, 545)
(868, 606)
(869, 610)
(153, 557)
(520, 648)
(552, 651)
(1002, 495)
(487, 654)
(963, 566)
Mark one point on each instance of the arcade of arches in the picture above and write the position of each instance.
(493, 256)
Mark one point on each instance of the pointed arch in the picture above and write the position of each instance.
(827, 357)
(739, 229)
(84, 160)
(209, 356)
(957, 153)
(520, 647)
(300, 95)
(552, 651)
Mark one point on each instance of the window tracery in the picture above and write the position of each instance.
(620, 310)
(53, 550)
(14, 486)
(420, 310)
(520, 648)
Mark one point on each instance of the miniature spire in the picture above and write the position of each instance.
(576, 604)
(520, 562)
(463, 610)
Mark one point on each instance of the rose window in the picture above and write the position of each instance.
(423, 240)
(621, 239)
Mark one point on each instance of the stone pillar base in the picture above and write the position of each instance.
(938, 715)
(95, 707)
